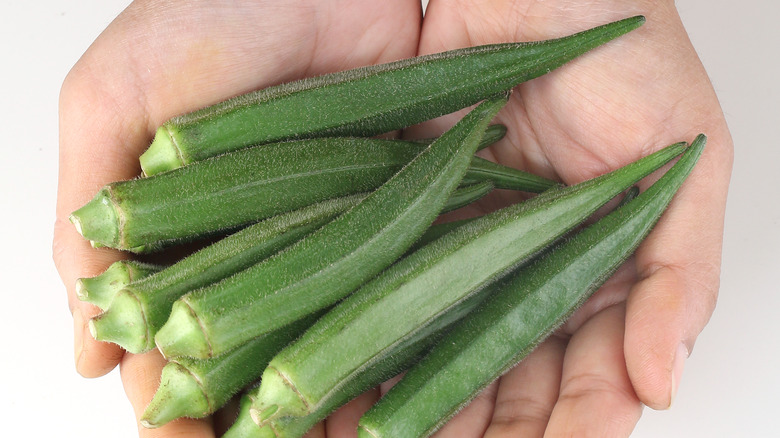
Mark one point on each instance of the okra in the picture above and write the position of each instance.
(196, 388)
(143, 306)
(101, 289)
(436, 231)
(330, 263)
(243, 426)
(394, 361)
(424, 286)
(527, 306)
(465, 195)
(368, 100)
(245, 186)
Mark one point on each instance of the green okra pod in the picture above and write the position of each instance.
(245, 186)
(367, 101)
(395, 360)
(423, 287)
(527, 306)
(142, 307)
(101, 289)
(196, 388)
(330, 263)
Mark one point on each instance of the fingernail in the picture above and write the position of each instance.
(78, 336)
(677, 369)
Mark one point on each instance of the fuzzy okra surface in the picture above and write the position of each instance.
(334, 260)
(526, 307)
(424, 287)
(369, 100)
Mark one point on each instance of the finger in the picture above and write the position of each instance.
(141, 377)
(89, 157)
(596, 397)
(318, 431)
(528, 392)
(474, 419)
(679, 275)
(344, 422)
(679, 263)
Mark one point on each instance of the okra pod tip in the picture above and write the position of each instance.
(101, 289)
(179, 395)
(182, 334)
(98, 220)
(163, 153)
(122, 323)
(278, 398)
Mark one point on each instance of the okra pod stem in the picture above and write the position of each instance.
(334, 260)
(366, 101)
(196, 388)
(426, 285)
(244, 426)
(527, 307)
(245, 186)
(101, 289)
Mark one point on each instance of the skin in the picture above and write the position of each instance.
(624, 349)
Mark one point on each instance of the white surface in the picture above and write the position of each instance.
(730, 382)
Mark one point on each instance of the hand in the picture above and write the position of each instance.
(160, 59)
(643, 91)
(626, 347)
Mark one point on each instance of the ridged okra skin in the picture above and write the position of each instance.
(400, 358)
(526, 307)
(196, 388)
(393, 361)
(243, 426)
(143, 306)
(296, 427)
(426, 285)
(101, 289)
(334, 260)
(245, 186)
(369, 100)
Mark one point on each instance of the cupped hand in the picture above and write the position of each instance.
(623, 349)
(626, 347)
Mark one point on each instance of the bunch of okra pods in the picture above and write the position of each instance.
(324, 276)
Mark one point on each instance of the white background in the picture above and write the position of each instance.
(730, 383)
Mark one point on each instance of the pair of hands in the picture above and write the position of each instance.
(624, 349)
